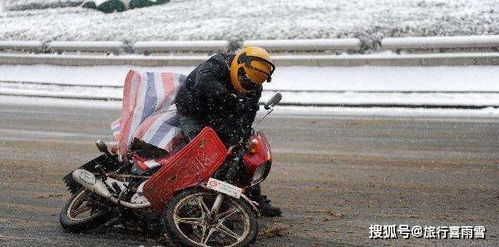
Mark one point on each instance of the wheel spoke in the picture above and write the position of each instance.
(227, 214)
(207, 235)
(225, 230)
(204, 209)
(191, 221)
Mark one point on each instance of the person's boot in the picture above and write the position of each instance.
(267, 209)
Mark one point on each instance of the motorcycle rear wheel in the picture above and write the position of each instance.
(187, 223)
(79, 215)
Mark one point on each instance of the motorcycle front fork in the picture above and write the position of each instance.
(217, 204)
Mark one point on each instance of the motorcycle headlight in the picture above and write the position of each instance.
(261, 173)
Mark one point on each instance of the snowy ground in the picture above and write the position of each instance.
(289, 111)
(16, 5)
(457, 87)
(3, 5)
(375, 78)
(369, 20)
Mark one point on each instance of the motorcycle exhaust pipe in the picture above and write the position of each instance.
(89, 181)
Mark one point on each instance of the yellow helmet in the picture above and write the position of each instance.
(250, 67)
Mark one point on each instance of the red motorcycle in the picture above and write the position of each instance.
(195, 196)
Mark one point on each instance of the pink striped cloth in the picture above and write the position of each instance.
(148, 112)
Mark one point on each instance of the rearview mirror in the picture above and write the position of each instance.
(273, 101)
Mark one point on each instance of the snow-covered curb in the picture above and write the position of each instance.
(285, 111)
(372, 78)
(455, 87)
(292, 98)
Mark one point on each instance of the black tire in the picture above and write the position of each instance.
(178, 238)
(74, 225)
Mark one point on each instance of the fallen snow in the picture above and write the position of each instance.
(388, 99)
(98, 75)
(367, 85)
(487, 114)
(40, 4)
(335, 112)
(368, 20)
(376, 78)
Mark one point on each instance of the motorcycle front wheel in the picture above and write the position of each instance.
(188, 220)
(81, 213)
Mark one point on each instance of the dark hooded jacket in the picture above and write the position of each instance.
(208, 96)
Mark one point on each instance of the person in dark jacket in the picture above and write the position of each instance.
(223, 93)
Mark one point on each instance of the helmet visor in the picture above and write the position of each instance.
(258, 65)
(246, 83)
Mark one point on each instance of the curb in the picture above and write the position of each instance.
(388, 105)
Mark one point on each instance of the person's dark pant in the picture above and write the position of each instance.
(254, 192)
(190, 126)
